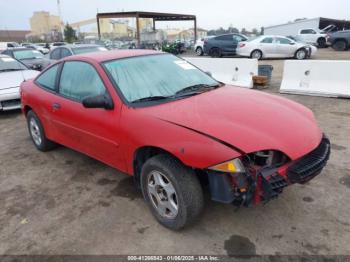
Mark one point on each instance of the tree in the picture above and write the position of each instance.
(244, 31)
(255, 31)
(69, 34)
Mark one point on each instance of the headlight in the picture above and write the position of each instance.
(232, 166)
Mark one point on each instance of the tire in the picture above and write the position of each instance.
(37, 133)
(257, 54)
(215, 52)
(321, 42)
(182, 202)
(340, 45)
(301, 54)
(199, 51)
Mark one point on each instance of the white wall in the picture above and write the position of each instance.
(292, 29)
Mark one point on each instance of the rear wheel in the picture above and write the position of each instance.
(321, 42)
(215, 52)
(340, 45)
(301, 54)
(37, 133)
(172, 191)
(257, 54)
(199, 51)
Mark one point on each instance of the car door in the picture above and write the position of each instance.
(268, 46)
(308, 35)
(285, 47)
(93, 131)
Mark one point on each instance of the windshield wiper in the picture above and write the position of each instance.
(10, 69)
(195, 89)
(149, 98)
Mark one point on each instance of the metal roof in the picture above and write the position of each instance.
(154, 15)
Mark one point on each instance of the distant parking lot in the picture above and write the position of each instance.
(63, 202)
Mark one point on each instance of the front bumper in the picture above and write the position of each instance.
(269, 182)
(10, 99)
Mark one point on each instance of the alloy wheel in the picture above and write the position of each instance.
(35, 131)
(162, 194)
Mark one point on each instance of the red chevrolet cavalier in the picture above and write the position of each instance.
(175, 129)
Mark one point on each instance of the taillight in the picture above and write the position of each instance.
(241, 45)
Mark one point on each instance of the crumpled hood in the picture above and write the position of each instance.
(15, 78)
(246, 119)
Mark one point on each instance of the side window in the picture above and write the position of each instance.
(48, 78)
(9, 45)
(65, 52)
(307, 31)
(237, 38)
(267, 40)
(283, 41)
(224, 38)
(80, 80)
(56, 54)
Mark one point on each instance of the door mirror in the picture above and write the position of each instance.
(208, 73)
(100, 101)
(292, 43)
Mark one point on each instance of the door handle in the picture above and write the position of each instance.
(56, 106)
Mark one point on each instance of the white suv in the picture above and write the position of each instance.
(198, 46)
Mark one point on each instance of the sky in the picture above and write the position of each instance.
(15, 14)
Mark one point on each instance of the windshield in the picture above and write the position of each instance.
(90, 49)
(155, 76)
(10, 64)
(27, 54)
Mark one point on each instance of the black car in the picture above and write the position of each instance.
(340, 41)
(31, 58)
(223, 44)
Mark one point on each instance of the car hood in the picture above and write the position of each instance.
(246, 119)
(15, 78)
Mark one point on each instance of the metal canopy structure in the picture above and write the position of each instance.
(155, 16)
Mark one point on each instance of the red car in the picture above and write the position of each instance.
(175, 129)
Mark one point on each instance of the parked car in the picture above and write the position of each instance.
(340, 41)
(12, 74)
(68, 50)
(223, 44)
(313, 36)
(156, 117)
(54, 44)
(41, 49)
(5, 45)
(271, 46)
(199, 45)
(31, 58)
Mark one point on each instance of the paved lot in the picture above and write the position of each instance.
(63, 202)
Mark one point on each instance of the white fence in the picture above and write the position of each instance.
(317, 77)
(233, 71)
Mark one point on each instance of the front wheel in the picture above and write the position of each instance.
(199, 51)
(340, 45)
(301, 54)
(172, 191)
(321, 42)
(215, 52)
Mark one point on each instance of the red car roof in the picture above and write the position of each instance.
(114, 54)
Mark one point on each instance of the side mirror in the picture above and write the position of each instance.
(100, 101)
(208, 73)
(292, 43)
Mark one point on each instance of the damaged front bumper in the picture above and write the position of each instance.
(251, 188)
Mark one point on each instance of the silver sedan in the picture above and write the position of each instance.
(271, 46)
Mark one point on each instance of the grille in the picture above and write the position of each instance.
(9, 103)
(311, 164)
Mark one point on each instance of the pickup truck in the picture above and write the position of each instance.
(340, 41)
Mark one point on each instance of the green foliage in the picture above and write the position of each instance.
(69, 34)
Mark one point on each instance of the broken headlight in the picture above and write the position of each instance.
(265, 158)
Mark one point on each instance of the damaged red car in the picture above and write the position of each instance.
(175, 129)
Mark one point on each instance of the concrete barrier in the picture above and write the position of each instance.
(233, 71)
(329, 78)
